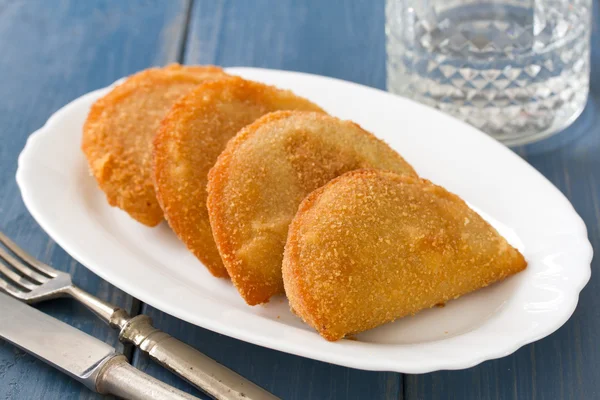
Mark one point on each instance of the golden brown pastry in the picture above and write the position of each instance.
(189, 141)
(373, 246)
(262, 176)
(118, 133)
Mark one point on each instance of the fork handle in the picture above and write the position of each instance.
(187, 362)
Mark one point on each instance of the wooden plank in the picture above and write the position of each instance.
(52, 52)
(565, 364)
(342, 39)
(337, 38)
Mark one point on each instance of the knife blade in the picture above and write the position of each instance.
(90, 361)
(71, 351)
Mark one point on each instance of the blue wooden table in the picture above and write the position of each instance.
(51, 52)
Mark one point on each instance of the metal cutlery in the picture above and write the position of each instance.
(32, 281)
(85, 358)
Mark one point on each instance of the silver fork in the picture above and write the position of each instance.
(32, 281)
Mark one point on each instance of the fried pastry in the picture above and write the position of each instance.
(189, 141)
(262, 176)
(372, 246)
(118, 133)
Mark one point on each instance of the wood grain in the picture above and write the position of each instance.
(52, 52)
(340, 38)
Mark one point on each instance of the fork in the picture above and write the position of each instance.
(33, 281)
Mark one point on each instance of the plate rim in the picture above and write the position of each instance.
(348, 359)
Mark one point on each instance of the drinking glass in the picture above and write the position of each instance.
(516, 69)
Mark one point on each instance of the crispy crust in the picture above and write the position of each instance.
(189, 141)
(118, 133)
(262, 176)
(418, 245)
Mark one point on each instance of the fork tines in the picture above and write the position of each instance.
(20, 272)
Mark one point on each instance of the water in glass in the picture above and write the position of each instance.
(516, 69)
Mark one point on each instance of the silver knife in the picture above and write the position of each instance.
(90, 361)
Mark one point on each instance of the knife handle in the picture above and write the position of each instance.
(202, 371)
(120, 379)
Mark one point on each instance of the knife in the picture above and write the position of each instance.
(90, 361)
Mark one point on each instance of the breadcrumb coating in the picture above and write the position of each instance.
(372, 246)
(189, 141)
(263, 175)
(118, 133)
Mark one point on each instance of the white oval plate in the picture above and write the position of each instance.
(152, 265)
